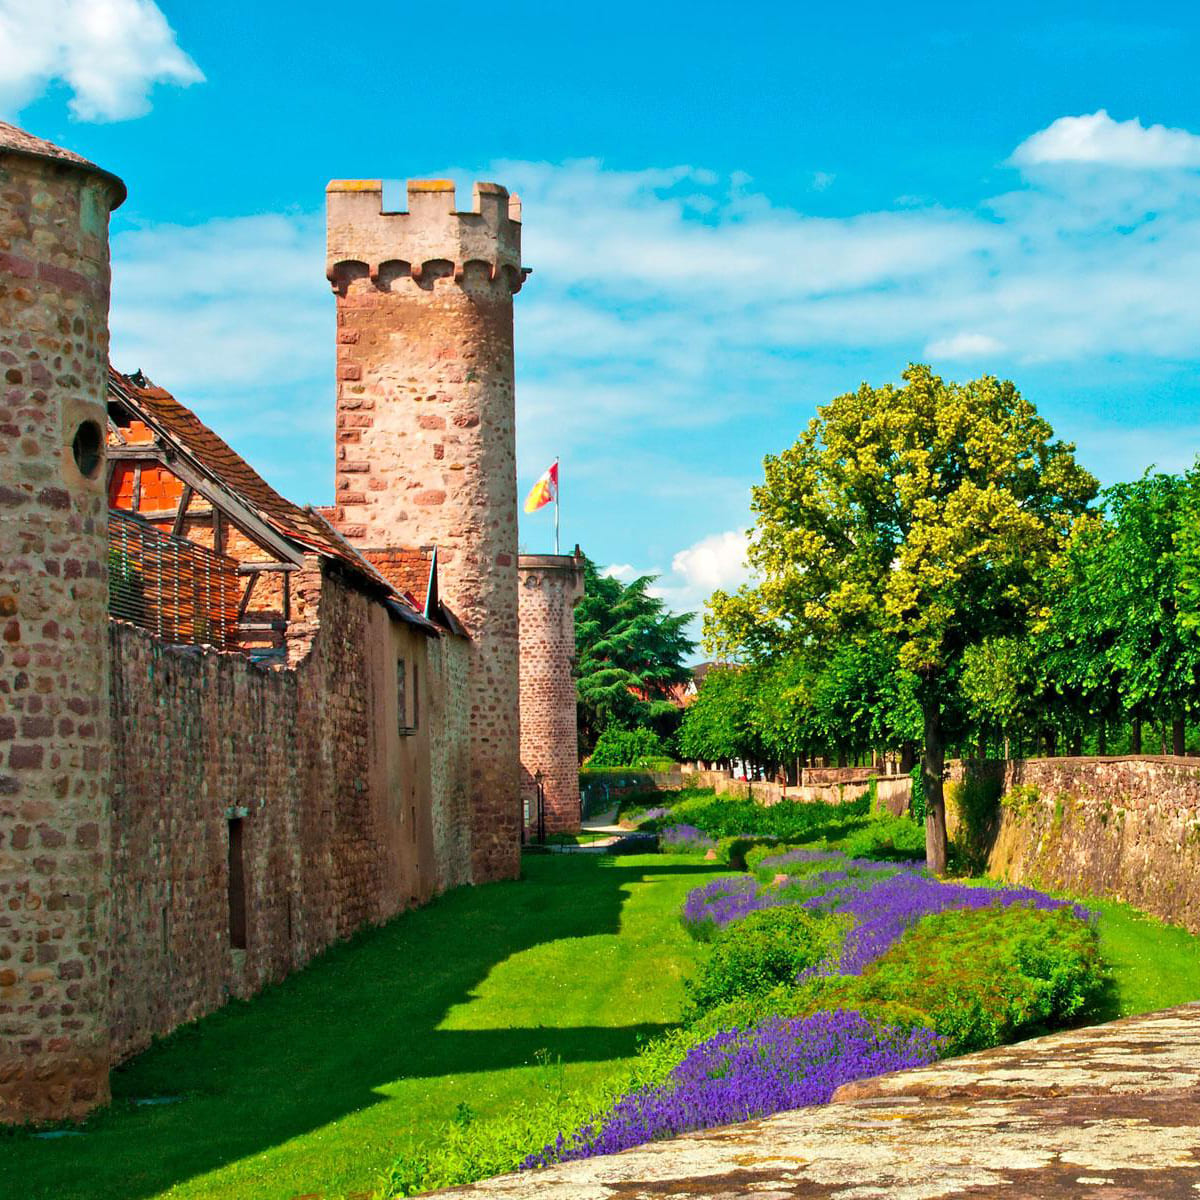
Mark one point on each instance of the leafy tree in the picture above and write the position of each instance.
(1115, 635)
(863, 699)
(630, 651)
(927, 513)
(715, 726)
(628, 748)
(999, 682)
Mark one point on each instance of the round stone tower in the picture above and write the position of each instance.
(551, 587)
(426, 445)
(54, 725)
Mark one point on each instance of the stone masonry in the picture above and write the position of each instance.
(54, 665)
(1124, 827)
(426, 449)
(551, 587)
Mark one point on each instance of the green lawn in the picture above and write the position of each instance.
(315, 1085)
(1154, 965)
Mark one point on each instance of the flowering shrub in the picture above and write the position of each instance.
(718, 904)
(984, 977)
(685, 839)
(652, 814)
(739, 1074)
(894, 904)
(798, 861)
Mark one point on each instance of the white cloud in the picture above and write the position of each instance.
(230, 304)
(964, 345)
(108, 52)
(622, 571)
(717, 561)
(1098, 140)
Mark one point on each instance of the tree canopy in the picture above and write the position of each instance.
(927, 515)
(630, 652)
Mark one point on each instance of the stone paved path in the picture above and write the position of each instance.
(1111, 1112)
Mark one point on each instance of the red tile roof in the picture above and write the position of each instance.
(20, 141)
(226, 466)
(215, 458)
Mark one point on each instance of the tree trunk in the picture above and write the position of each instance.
(933, 765)
(1135, 735)
(1077, 741)
(1178, 737)
(1102, 738)
(908, 756)
(1051, 743)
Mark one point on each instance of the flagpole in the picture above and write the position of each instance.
(557, 485)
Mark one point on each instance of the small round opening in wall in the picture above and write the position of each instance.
(88, 449)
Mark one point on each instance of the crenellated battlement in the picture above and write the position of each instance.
(432, 231)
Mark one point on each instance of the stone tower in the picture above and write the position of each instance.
(551, 587)
(426, 447)
(54, 721)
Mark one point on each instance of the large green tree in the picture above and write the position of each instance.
(1118, 634)
(630, 652)
(927, 513)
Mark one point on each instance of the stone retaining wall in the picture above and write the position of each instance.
(1125, 828)
(893, 790)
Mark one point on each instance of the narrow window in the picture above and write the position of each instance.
(401, 697)
(237, 886)
(416, 690)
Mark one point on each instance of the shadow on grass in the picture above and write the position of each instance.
(325, 1042)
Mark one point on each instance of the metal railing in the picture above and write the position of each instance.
(182, 592)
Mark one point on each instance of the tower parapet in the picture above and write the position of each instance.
(54, 659)
(426, 440)
(431, 233)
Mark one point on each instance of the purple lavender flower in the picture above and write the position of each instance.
(738, 1075)
(729, 899)
(777, 862)
(883, 912)
(653, 814)
(686, 838)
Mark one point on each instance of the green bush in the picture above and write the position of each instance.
(986, 976)
(789, 1000)
(896, 839)
(640, 748)
(762, 950)
(787, 821)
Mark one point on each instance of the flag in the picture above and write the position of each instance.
(545, 490)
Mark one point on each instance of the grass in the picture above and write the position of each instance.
(1154, 965)
(318, 1083)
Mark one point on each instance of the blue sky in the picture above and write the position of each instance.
(732, 215)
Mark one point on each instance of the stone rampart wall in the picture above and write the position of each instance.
(1125, 828)
(335, 811)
